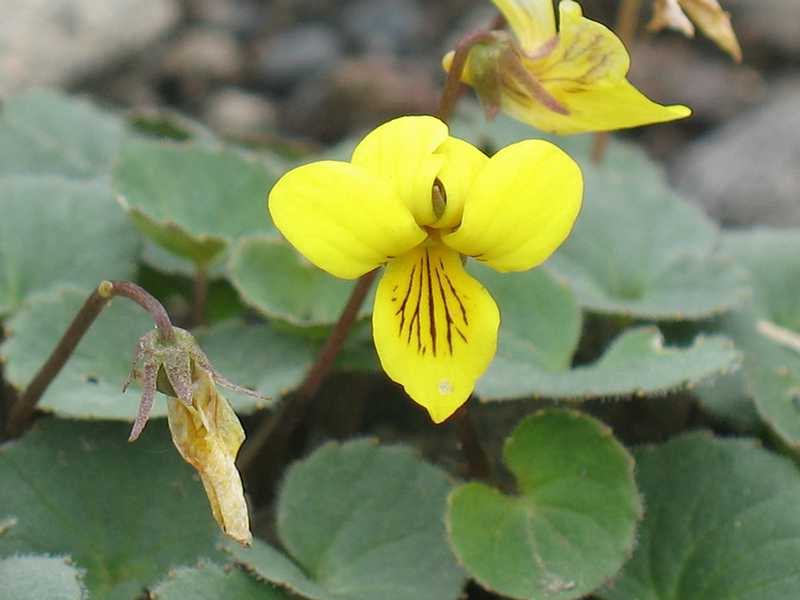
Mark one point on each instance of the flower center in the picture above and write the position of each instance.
(438, 198)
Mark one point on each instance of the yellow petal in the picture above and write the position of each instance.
(521, 207)
(401, 152)
(342, 218)
(435, 328)
(208, 436)
(669, 14)
(463, 162)
(532, 21)
(585, 73)
(715, 23)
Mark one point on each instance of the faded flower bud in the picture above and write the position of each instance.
(204, 427)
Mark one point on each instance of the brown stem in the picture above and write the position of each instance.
(627, 23)
(21, 411)
(276, 428)
(199, 296)
(478, 464)
(453, 86)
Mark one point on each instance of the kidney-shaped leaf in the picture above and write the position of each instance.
(361, 522)
(637, 362)
(59, 232)
(31, 577)
(721, 522)
(208, 581)
(192, 200)
(124, 513)
(570, 527)
(43, 132)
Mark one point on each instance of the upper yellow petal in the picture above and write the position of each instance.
(401, 152)
(435, 328)
(532, 21)
(341, 217)
(585, 73)
(521, 207)
(462, 163)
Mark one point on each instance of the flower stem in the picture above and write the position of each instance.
(276, 429)
(453, 86)
(478, 464)
(21, 411)
(626, 26)
(199, 296)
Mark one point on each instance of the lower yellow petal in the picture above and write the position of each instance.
(521, 207)
(435, 328)
(401, 152)
(342, 218)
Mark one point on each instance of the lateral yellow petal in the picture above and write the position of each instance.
(342, 218)
(521, 207)
(585, 73)
(532, 21)
(435, 328)
(401, 152)
(462, 163)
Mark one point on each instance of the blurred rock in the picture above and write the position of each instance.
(678, 71)
(396, 27)
(359, 94)
(55, 42)
(203, 53)
(238, 113)
(238, 16)
(748, 172)
(762, 24)
(297, 54)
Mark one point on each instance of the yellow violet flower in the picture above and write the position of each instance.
(417, 200)
(568, 81)
(208, 435)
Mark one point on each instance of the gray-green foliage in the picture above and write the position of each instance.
(32, 577)
(571, 525)
(721, 522)
(192, 200)
(125, 513)
(360, 522)
(209, 581)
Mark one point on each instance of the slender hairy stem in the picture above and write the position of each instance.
(21, 411)
(627, 24)
(478, 463)
(452, 85)
(277, 428)
(199, 296)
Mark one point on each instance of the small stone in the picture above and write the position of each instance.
(748, 172)
(298, 53)
(360, 94)
(395, 27)
(204, 53)
(56, 42)
(238, 113)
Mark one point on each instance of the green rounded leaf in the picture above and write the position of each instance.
(43, 132)
(57, 232)
(259, 357)
(361, 522)
(771, 366)
(570, 527)
(90, 384)
(124, 512)
(637, 362)
(32, 577)
(191, 200)
(212, 582)
(721, 522)
(276, 280)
